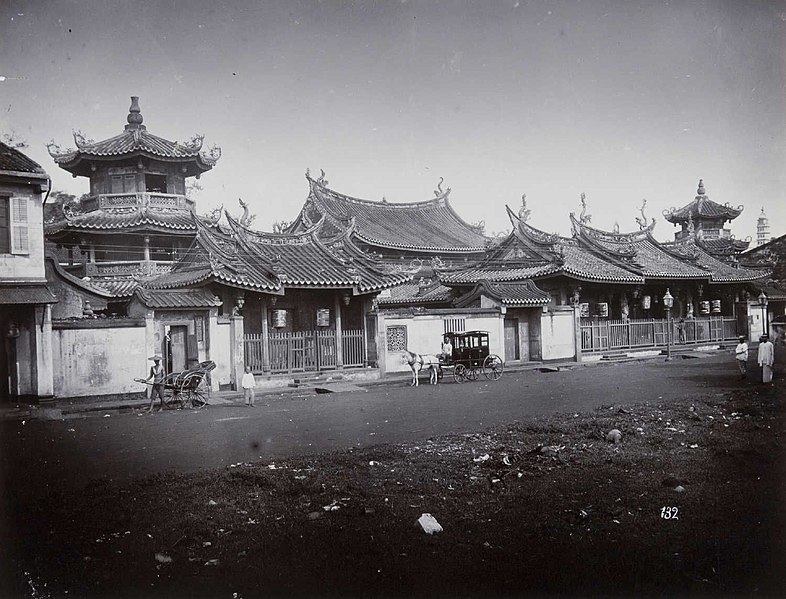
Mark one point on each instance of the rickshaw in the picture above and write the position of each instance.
(470, 356)
(187, 388)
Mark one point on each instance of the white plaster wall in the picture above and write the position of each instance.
(424, 335)
(220, 353)
(557, 335)
(99, 361)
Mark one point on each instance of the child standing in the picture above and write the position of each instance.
(741, 354)
(248, 383)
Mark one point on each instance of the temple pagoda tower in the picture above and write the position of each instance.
(703, 217)
(137, 219)
(762, 228)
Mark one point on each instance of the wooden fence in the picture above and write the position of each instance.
(606, 335)
(302, 351)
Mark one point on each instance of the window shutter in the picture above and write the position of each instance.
(20, 240)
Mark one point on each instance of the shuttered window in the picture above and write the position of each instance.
(5, 226)
(20, 240)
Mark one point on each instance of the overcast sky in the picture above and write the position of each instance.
(622, 100)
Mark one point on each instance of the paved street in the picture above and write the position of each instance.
(41, 454)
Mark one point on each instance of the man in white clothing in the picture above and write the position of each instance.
(766, 359)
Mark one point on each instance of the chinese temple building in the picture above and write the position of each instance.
(304, 297)
(137, 219)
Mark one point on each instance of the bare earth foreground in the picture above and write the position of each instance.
(689, 502)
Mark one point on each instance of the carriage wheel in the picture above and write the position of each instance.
(460, 373)
(194, 390)
(493, 367)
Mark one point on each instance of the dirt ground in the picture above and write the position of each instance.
(690, 501)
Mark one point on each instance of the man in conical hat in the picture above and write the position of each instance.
(157, 375)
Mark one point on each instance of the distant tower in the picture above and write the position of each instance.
(762, 228)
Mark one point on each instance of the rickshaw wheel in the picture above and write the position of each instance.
(460, 373)
(194, 390)
(172, 396)
(493, 367)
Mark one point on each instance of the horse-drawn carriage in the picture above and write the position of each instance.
(190, 387)
(468, 357)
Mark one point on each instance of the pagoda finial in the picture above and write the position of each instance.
(700, 191)
(134, 117)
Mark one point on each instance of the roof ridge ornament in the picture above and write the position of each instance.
(691, 224)
(584, 218)
(438, 192)
(247, 218)
(524, 212)
(322, 181)
(701, 191)
(81, 140)
(643, 221)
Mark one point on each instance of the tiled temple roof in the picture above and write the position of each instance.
(522, 294)
(701, 207)
(720, 271)
(14, 161)
(137, 218)
(107, 288)
(641, 253)
(178, 298)
(415, 293)
(724, 247)
(271, 262)
(431, 225)
(136, 140)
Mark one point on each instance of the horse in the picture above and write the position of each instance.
(416, 363)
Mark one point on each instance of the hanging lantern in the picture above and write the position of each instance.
(603, 310)
(704, 307)
(716, 306)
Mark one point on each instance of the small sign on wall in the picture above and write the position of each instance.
(279, 318)
(323, 317)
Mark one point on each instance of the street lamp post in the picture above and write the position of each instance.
(763, 305)
(668, 302)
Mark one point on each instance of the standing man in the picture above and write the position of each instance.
(741, 354)
(157, 375)
(766, 359)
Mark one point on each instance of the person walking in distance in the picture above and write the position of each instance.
(248, 383)
(741, 354)
(157, 375)
(766, 359)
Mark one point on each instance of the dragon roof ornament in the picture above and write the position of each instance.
(643, 222)
(438, 192)
(584, 218)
